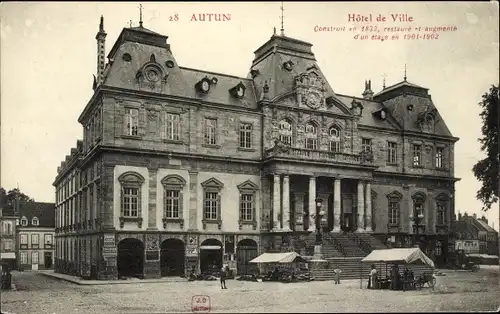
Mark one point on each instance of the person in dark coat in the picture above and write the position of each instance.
(394, 277)
(223, 275)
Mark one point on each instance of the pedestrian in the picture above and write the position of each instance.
(336, 272)
(394, 277)
(223, 278)
(372, 283)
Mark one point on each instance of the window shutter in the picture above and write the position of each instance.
(125, 122)
(240, 206)
(181, 205)
(122, 208)
(163, 125)
(219, 218)
(254, 210)
(139, 202)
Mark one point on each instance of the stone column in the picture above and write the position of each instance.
(312, 202)
(299, 211)
(368, 201)
(361, 208)
(286, 203)
(336, 204)
(276, 202)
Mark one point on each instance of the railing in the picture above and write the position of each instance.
(338, 246)
(366, 247)
(286, 151)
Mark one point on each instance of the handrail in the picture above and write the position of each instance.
(286, 151)
(338, 246)
(366, 247)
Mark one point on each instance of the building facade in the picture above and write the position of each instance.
(469, 227)
(181, 168)
(35, 236)
(8, 217)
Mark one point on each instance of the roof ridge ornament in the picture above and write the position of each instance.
(140, 15)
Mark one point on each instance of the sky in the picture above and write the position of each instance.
(48, 57)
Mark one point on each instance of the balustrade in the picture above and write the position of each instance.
(310, 154)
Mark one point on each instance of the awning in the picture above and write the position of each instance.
(282, 258)
(406, 255)
(8, 255)
(210, 247)
(482, 256)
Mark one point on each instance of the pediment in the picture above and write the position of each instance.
(212, 183)
(173, 179)
(248, 186)
(131, 176)
(395, 195)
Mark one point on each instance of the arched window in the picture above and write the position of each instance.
(130, 207)
(311, 136)
(24, 221)
(285, 132)
(334, 141)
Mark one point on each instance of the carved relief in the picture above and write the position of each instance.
(310, 89)
(151, 242)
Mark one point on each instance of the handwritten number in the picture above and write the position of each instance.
(174, 18)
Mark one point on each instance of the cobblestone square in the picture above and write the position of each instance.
(457, 291)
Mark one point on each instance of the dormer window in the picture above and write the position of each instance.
(254, 73)
(24, 221)
(214, 80)
(238, 91)
(203, 86)
(381, 114)
(357, 108)
(288, 65)
(34, 221)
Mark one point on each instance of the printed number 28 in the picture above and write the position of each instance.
(174, 18)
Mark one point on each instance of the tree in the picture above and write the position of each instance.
(487, 169)
(9, 198)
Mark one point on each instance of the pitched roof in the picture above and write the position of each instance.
(142, 29)
(45, 212)
(398, 85)
(485, 225)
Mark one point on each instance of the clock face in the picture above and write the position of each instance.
(205, 86)
(313, 100)
(240, 92)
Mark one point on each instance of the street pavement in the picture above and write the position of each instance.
(457, 291)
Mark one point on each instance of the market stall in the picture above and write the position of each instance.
(279, 265)
(408, 262)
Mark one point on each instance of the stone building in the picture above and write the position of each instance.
(182, 168)
(8, 217)
(470, 227)
(35, 236)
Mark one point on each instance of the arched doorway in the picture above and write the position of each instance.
(210, 256)
(130, 261)
(245, 252)
(172, 257)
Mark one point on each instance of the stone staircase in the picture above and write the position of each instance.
(347, 245)
(350, 267)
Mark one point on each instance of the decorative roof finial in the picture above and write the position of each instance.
(101, 25)
(274, 30)
(383, 82)
(282, 16)
(140, 15)
(405, 73)
(130, 23)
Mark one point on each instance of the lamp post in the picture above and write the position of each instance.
(318, 218)
(417, 219)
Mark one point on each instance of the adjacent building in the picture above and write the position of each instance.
(183, 168)
(8, 237)
(35, 236)
(475, 235)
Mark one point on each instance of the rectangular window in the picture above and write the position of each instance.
(334, 146)
(246, 207)
(35, 240)
(24, 258)
(47, 240)
(366, 145)
(130, 202)
(211, 205)
(394, 213)
(172, 126)
(210, 131)
(391, 152)
(439, 157)
(131, 121)
(441, 220)
(24, 239)
(246, 135)
(172, 202)
(417, 155)
(311, 143)
(34, 258)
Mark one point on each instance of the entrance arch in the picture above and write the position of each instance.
(210, 256)
(130, 259)
(172, 257)
(246, 251)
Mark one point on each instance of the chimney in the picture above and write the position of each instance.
(459, 216)
(474, 216)
(101, 38)
(368, 93)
